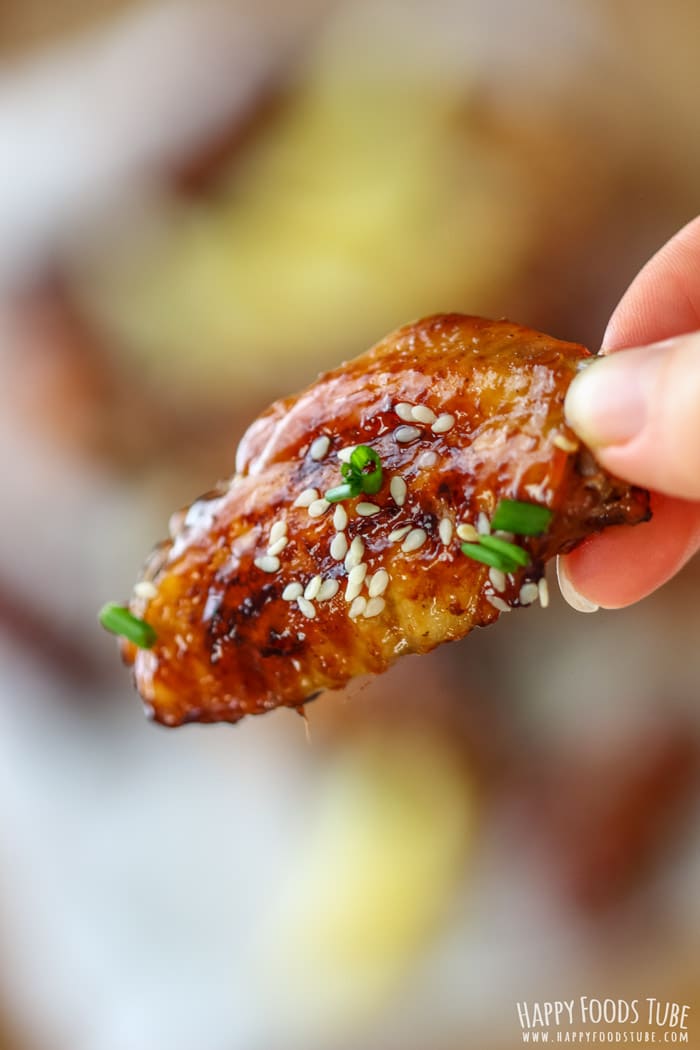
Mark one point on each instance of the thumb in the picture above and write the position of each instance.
(639, 413)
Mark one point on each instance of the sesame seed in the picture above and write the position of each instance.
(357, 574)
(498, 579)
(467, 532)
(306, 498)
(339, 546)
(398, 534)
(278, 530)
(366, 510)
(356, 578)
(565, 443)
(397, 487)
(543, 591)
(443, 423)
(483, 525)
(312, 588)
(328, 590)
(292, 591)
(503, 535)
(427, 459)
(268, 563)
(318, 507)
(340, 518)
(404, 411)
(145, 589)
(355, 554)
(406, 434)
(278, 546)
(319, 447)
(415, 539)
(345, 453)
(378, 583)
(306, 608)
(446, 530)
(529, 593)
(357, 607)
(374, 607)
(423, 414)
(497, 603)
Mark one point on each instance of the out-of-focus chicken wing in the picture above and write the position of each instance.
(267, 593)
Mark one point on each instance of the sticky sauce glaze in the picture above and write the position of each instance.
(265, 595)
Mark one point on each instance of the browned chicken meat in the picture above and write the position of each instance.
(460, 479)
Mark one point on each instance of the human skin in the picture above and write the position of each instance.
(639, 412)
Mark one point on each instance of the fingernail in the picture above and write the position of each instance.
(570, 594)
(609, 402)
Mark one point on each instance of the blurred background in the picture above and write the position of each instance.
(202, 205)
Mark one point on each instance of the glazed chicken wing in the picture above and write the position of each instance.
(267, 593)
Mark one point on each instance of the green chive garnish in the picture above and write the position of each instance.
(363, 457)
(495, 559)
(510, 551)
(363, 473)
(524, 519)
(118, 620)
(341, 492)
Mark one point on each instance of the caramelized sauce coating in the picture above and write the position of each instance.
(463, 412)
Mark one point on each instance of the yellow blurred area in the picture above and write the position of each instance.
(390, 834)
(365, 202)
(387, 840)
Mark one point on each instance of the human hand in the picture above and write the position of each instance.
(639, 412)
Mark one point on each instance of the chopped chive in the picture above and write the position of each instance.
(524, 519)
(371, 480)
(340, 492)
(357, 478)
(511, 551)
(118, 620)
(352, 476)
(477, 552)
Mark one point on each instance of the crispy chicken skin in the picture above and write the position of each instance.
(230, 644)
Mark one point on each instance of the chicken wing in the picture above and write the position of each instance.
(267, 593)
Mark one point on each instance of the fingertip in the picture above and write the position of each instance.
(637, 412)
(663, 300)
